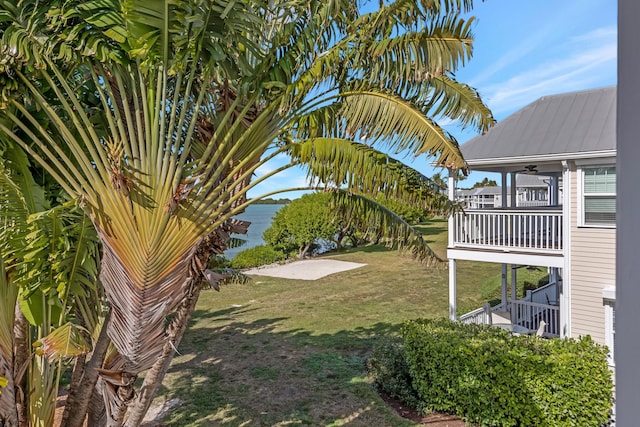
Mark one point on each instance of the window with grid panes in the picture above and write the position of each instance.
(599, 192)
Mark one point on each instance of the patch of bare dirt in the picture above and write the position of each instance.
(434, 419)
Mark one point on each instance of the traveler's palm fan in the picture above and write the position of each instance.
(160, 114)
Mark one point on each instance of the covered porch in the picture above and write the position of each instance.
(525, 315)
(516, 234)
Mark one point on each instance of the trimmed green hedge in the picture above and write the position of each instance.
(390, 372)
(257, 256)
(493, 378)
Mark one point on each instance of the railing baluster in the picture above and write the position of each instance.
(509, 229)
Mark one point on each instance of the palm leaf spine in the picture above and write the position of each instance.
(71, 188)
(80, 119)
(83, 161)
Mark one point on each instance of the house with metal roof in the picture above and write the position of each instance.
(567, 143)
(531, 190)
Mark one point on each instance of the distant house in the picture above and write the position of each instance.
(531, 190)
(561, 214)
(478, 198)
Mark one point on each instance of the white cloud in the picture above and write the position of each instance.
(585, 61)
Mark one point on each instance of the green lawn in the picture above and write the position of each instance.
(278, 352)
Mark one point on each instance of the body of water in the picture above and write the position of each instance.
(260, 217)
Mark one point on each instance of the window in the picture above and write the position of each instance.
(599, 196)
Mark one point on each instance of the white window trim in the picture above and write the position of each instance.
(609, 302)
(580, 196)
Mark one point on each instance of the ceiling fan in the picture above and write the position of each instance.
(529, 169)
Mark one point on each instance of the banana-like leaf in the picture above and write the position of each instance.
(63, 342)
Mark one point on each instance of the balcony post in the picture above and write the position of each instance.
(452, 196)
(553, 195)
(504, 190)
(504, 284)
(452, 289)
(514, 282)
(452, 262)
(514, 193)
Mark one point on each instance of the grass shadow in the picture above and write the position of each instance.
(253, 373)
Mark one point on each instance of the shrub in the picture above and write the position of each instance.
(257, 256)
(390, 372)
(493, 378)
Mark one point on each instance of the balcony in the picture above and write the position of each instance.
(529, 230)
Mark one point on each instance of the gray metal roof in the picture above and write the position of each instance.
(569, 123)
(523, 180)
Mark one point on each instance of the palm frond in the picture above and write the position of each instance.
(385, 119)
(456, 101)
(382, 221)
(342, 163)
(442, 47)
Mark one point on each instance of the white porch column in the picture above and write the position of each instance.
(554, 191)
(504, 284)
(514, 282)
(564, 290)
(504, 190)
(452, 289)
(452, 262)
(452, 196)
(514, 196)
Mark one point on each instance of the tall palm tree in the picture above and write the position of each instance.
(159, 115)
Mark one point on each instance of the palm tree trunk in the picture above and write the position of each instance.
(79, 396)
(157, 372)
(20, 358)
(96, 416)
(8, 411)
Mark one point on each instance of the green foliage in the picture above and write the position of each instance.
(390, 372)
(257, 256)
(298, 225)
(493, 378)
(486, 182)
(409, 213)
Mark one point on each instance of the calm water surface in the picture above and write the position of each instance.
(260, 217)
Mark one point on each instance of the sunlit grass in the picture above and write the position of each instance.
(287, 352)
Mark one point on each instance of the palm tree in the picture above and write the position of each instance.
(158, 115)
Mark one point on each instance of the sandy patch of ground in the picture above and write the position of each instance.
(312, 269)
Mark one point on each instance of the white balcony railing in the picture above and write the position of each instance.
(479, 316)
(537, 230)
(530, 314)
(528, 203)
(523, 313)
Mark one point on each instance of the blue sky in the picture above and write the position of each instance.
(523, 49)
